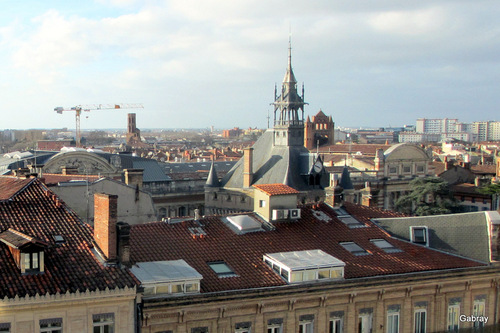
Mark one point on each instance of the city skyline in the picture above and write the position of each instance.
(195, 64)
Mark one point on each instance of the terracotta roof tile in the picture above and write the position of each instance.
(365, 149)
(34, 211)
(485, 169)
(276, 189)
(53, 178)
(9, 186)
(244, 253)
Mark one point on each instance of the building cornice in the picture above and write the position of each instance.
(69, 297)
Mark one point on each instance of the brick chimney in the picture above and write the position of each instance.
(105, 218)
(134, 177)
(368, 195)
(247, 167)
(379, 159)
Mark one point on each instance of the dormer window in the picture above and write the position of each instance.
(31, 261)
(28, 252)
(419, 235)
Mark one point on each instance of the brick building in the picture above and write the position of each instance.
(319, 130)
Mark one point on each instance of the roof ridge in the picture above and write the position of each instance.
(21, 189)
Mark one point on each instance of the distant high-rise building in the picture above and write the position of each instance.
(436, 126)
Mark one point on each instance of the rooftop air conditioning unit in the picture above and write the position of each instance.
(295, 214)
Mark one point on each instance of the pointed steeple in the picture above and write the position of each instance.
(289, 109)
(289, 76)
(212, 179)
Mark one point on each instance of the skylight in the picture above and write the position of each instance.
(302, 266)
(385, 245)
(244, 223)
(174, 277)
(351, 222)
(221, 269)
(354, 248)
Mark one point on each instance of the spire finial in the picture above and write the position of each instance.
(290, 49)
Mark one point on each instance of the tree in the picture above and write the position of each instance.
(428, 196)
(492, 189)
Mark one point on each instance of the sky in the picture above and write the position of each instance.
(202, 63)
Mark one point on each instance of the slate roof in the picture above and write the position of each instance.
(244, 253)
(464, 234)
(184, 167)
(273, 164)
(70, 266)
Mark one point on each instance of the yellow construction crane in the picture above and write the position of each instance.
(87, 108)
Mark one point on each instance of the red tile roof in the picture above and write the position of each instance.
(243, 253)
(9, 186)
(365, 149)
(470, 189)
(485, 169)
(70, 266)
(276, 189)
(53, 178)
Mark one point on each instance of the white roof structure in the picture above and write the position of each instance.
(164, 271)
(245, 223)
(300, 260)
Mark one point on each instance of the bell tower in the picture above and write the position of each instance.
(289, 110)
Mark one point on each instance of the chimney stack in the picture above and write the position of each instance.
(134, 177)
(105, 219)
(69, 170)
(247, 167)
(123, 230)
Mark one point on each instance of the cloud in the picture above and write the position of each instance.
(214, 54)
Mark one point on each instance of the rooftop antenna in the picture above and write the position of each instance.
(268, 117)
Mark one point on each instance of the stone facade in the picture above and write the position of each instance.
(76, 311)
(322, 304)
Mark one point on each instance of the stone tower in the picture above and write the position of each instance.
(289, 110)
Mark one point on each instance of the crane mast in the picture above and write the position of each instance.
(92, 107)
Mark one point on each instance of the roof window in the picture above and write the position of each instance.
(351, 222)
(419, 235)
(58, 239)
(385, 245)
(221, 269)
(354, 248)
